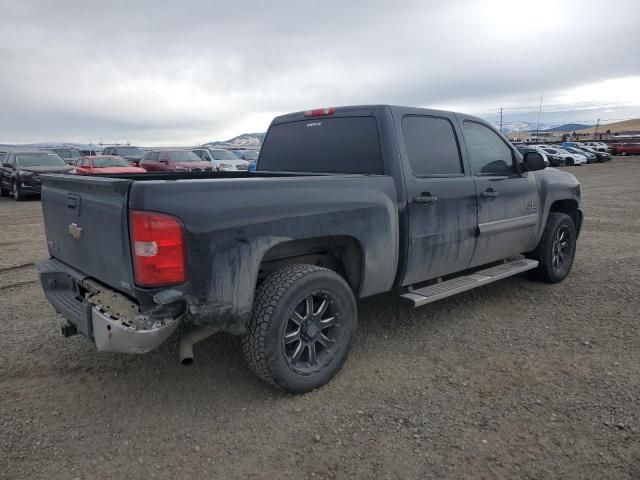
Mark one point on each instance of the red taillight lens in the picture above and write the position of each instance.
(159, 249)
(320, 112)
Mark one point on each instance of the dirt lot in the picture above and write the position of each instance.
(515, 380)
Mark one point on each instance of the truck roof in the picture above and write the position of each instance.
(360, 110)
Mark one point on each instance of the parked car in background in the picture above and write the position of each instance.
(601, 155)
(174, 161)
(222, 160)
(524, 149)
(105, 164)
(598, 146)
(554, 160)
(250, 156)
(132, 154)
(69, 155)
(591, 158)
(569, 158)
(626, 149)
(20, 171)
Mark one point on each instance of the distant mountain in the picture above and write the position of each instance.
(567, 127)
(246, 140)
(522, 126)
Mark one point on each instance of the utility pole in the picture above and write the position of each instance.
(500, 119)
(539, 113)
(595, 131)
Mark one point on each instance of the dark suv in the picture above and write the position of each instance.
(21, 169)
(132, 154)
(174, 161)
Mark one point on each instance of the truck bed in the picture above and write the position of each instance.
(231, 220)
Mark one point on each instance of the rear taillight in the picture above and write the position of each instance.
(159, 249)
(320, 112)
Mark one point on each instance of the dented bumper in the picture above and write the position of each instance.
(111, 320)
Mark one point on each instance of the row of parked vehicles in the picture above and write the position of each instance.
(570, 153)
(20, 168)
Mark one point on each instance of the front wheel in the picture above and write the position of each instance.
(569, 162)
(302, 327)
(15, 192)
(556, 250)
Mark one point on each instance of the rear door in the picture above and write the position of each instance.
(507, 201)
(441, 198)
(86, 226)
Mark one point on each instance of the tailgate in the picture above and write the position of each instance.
(86, 224)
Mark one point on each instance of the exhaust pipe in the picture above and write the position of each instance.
(187, 342)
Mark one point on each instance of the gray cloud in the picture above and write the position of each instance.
(192, 71)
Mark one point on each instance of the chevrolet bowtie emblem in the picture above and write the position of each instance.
(75, 231)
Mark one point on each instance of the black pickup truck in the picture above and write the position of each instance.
(345, 203)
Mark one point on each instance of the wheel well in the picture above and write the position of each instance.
(342, 254)
(570, 207)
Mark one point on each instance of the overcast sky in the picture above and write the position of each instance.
(186, 72)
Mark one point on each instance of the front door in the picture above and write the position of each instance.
(507, 201)
(440, 199)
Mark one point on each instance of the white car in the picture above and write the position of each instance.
(568, 157)
(599, 146)
(222, 160)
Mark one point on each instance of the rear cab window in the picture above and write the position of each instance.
(323, 145)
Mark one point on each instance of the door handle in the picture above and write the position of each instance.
(425, 198)
(489, 193)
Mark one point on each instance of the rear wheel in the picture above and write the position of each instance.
(15, 192)
(569, 161)
(302, 327)
(556, 250)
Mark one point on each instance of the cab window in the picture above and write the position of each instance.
(488, 153)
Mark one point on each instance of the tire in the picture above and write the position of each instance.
(15, 192)
(569, 162)
(278, 342)
(3, 192)
(555, 264)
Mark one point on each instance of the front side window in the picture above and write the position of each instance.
(488, 154)
(431, 146)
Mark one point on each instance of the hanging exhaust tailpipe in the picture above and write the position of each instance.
(187, 342)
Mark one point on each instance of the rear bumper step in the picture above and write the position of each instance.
(441, 290)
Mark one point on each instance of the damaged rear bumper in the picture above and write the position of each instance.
(111, 320)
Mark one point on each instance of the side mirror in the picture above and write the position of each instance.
(533, 161)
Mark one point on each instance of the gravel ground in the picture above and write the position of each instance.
(515, 380)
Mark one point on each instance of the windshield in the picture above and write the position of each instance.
(134, 152)
(184, 156)
(68, 153)
(323, 145)
(39, 160)
(222, 155)
(101, 162)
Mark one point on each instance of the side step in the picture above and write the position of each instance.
(441, 290)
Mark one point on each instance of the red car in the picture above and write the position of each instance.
(104, 164)
(174, 161)
(626, 149)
